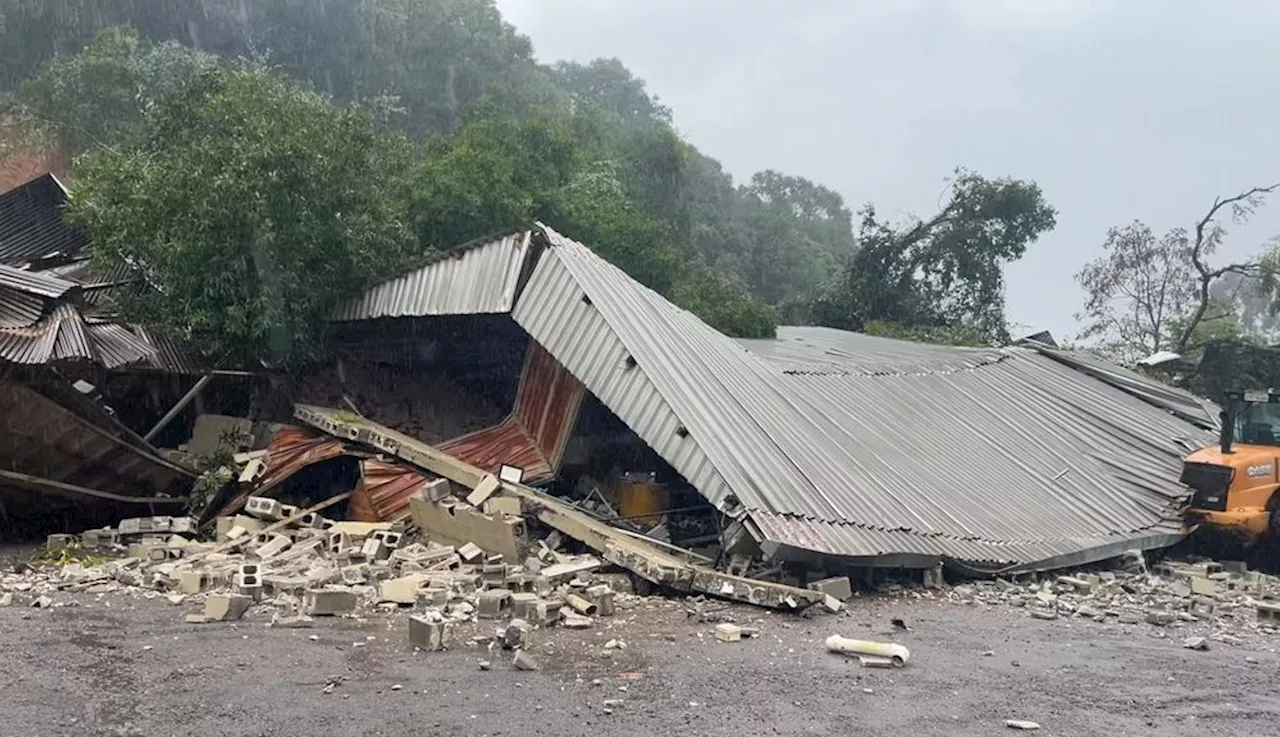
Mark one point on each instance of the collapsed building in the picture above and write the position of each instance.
(528, 357)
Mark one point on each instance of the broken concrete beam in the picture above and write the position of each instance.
(838, 587)
(260, 507)
(1078, 583)
(487, 487)
(503, 506)
(564, 571)
(429, 634)
(226, 607)
(329, 602)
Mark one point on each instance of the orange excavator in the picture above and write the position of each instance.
(1234, 484)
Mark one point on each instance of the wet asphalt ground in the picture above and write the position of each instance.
(117, 664)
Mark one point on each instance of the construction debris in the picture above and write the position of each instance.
(896, 654)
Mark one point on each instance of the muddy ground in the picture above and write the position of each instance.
(122, 665)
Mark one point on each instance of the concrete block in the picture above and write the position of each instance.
(518, 635)
(838, 587)
(226, 607)
(182, 525)
(933, 578)
(340, 543)
(274, 545)
(401, 590)
(726, 632)
(602, 596)
(329, 602)
(101, 538)
(1268, 612)
(436, 490)
(374, 549)
(524, 661)
(470, 552)
(355, 575)
(59, 542)
(288, 510)
(493, 603)
(131, 526)
(487, 487)
(1078, 583)
(429, 634)
(1203, 586)
(432, 597)
(522, 606)
(494, 574)
(191, 582)
(264, 509)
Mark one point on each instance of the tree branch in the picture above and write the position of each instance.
(1206, 275)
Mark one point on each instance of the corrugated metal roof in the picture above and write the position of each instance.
(34, 282)
(989, 456)
(1183, 403)
(816, 350)
(475, 279)
(31, 226)
(19, 309)
(39, 436)
(64, 335)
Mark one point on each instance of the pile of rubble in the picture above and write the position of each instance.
(1226, 596)
(297, 566)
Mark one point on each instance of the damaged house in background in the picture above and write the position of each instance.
(541, 383)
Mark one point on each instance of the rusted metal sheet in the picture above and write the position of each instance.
(505, 443)
(547, 404)
(42, 438)
(384, 491)
(290, 451)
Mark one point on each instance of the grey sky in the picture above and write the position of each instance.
(1120, 110)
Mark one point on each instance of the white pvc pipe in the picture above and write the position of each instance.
(847, 646)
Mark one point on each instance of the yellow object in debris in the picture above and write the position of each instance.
(641, 502)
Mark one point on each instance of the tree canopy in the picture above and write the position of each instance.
(247, 208)
(944, 274)
(484, 139)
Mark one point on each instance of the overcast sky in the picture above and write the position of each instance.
(1120, 110)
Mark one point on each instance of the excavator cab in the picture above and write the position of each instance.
(1234, 484)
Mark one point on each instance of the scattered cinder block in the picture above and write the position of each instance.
(355, 575)
(522, 606)
(288, 510)
(402, 590)
(273, 546)
(191, 582)
(429, 634)
(1203, 586)
(59, 542)
(726, 632)
(524, 661)
(603, 597)
(1268, 612)
(470, 552)
(437, 490)
(374, 549)
(226, 607)
(433, 597)
(329, 602)
(264, 509)
(493, 604)
(518, 635)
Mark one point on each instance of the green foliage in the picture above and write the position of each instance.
(724, 305)
(943, 272)
(960, 335)
(102, 96)
(250, 208)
